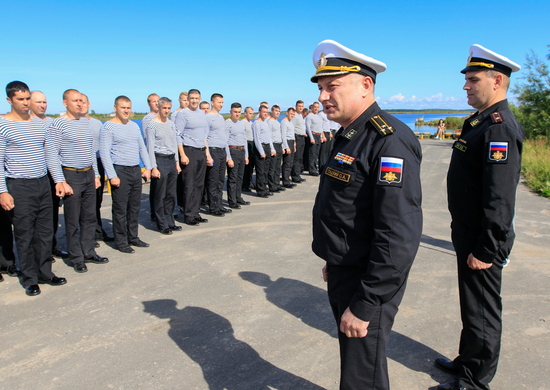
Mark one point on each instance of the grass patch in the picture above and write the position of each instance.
(535, 165)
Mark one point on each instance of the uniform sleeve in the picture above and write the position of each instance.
(143, 153)
(256, 135)
(52, 146)
(397, 228)
(283, 133)
(3, 144)
(308, 127)
(150, 141)
(105, 144)
(500, 181)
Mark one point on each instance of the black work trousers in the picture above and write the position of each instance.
(99, 231)
(275, 168)
(262, 169)
(288, 160)
(481, 314)
(215, 177)
(235, 176)
(298, 158)
(80, 216)
(363, 363)
(165, 190)
(126, 205)
(324, 150)
(193, 181)
(32, 227)
(249, 168)
(7, 257)
(314, 154)
(56, 203)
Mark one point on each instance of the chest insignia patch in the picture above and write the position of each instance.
(350, 134)
(345, 177)
(344, 159)
(460, 145)
(498, 151)
(474, 123)
(391, 170)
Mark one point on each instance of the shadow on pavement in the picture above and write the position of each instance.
(444, 244)
(226, 363)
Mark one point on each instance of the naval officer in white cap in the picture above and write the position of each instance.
(481, 185)
(367, 218)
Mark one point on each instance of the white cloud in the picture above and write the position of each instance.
(397, 98)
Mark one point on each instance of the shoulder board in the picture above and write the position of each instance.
(381, 125)
(496, 117)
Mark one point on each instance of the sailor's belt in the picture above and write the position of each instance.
(315, 133)
(236, 147)
(77, 169)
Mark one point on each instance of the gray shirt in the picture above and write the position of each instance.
(287, 128)
(161, 139)
(217, 133)
(326, 122)
(236, 136)
(314, 124)
(192, 127)
(248, 129)
(299, 125)
(262, 135)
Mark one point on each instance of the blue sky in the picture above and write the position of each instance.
(252, 51)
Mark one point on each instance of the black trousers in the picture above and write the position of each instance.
(193, 181)
(7, 257)
(235, 176)
(80, 216)
(249, 168)
(165, 191)
(363, 363)
(324, 150)
(481, 314)
(56, 203)
(152, 194)
(288, 160)
(32, 227)
(314, 154)
(99, 231)
(215, 177)
(262, 169)
(275, 167)
(126, 204)
(297, 164)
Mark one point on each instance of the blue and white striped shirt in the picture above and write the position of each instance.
(236, 136)
(121, 144)
(299, 124)
(262, 135)
(192, 127)
(217, 133)
(145, 122)
(95, 125)
(314, 124)
(161, 139)
(74, 143)
(276, 134)
(26, 151)
(326, 122)
(248, 129)
(287, 128)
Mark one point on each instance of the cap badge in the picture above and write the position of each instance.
(322, 60)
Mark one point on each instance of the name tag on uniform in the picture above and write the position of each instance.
(460, 146)
(345, 177)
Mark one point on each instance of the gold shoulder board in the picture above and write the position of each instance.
(381, 125)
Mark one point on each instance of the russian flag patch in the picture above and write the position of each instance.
(498, 151)
(391, 170)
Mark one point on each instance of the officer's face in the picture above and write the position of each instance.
(343, 97)
(290, 115)
(194, 100)
(263, 113)
(480, 89)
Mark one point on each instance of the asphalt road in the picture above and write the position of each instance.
(239, 303)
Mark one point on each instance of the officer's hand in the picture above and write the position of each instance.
(209, 161)
(6, 201)
(115, 182)
(246, 161)
(325, 275)
(184, 159)
(312, 140)
(63, 189)
(178, 168)
(352, 326)
(155, 173)
(262, 156)
(476, 264)
(230, 163)
(97, 183)
(273, 154)
(147, 175)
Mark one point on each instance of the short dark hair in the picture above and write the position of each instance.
(236, 105)
(215, 95)
(275, 106)
(193, 90)
(204, 102)
(69, 91)
(299, 101)
(16, 86)
(262, 106)
(123, 98)
(246, 108)
(290, 109)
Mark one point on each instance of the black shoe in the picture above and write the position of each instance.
(32, 290)
(446, 365)
(80, 267)
(139, 244)
(191, 222)
(234, 206)
(166, 231)
(292, 185)
(281, 188)
(96, 259)
(12, 271)
(1, 278)
(59, 253)
(243, 202)
(175, 228)
(201, 219)
(270, 194)
(153, 218)
(108, 239)
(96, 244)
(224, 210)
(314, 174)
(300, 180)
(126, 249)
(51, 259)
(452, 385)
(274, 191)
(263, 195)
(55, 281)
(217, 213)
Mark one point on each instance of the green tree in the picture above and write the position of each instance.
(533, 96)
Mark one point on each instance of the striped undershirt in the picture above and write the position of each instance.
(161, 139)
(26, 151)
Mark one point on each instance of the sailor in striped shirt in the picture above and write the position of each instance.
(26, 154)
(237, 157)
(279, 143)
(153, 102)
(121, 146)
(74, 145)
(264, 150)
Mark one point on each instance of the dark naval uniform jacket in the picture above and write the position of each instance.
(482, 180)
(367, 212)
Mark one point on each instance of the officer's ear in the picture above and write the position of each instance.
(367, 84)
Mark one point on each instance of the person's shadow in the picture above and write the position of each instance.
(304, 301)
(310, 304)
(226, 363)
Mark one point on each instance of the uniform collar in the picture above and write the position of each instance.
(478, 118)
(361, 121)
